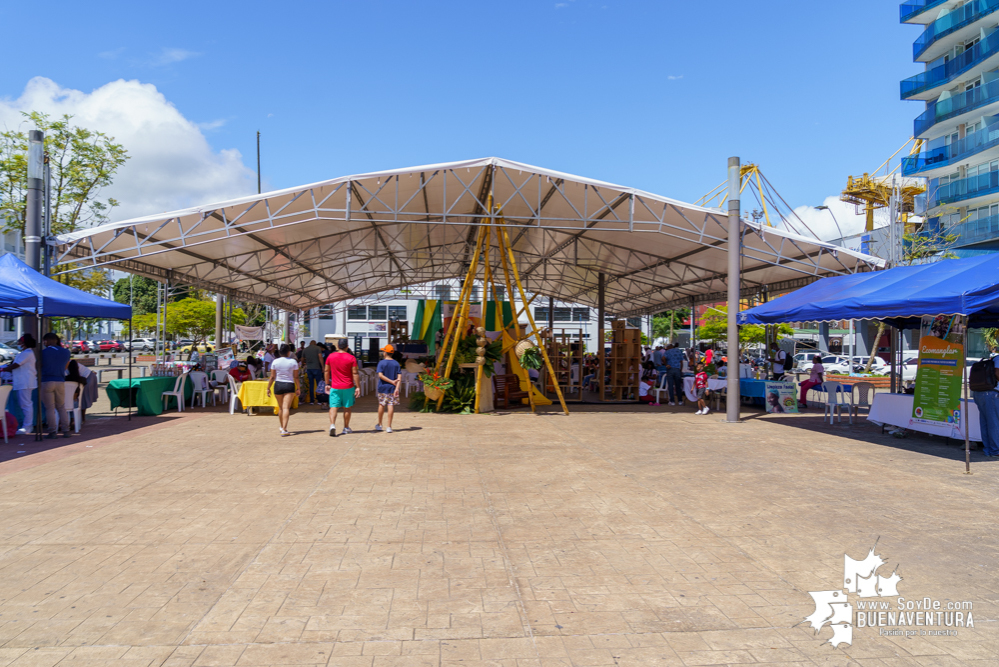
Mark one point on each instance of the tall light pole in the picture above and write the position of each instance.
(733, 401)
(33, 209)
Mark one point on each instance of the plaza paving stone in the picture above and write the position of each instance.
(614, 536)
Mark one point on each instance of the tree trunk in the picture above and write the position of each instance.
(874, 352)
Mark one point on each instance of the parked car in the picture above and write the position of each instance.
(107, 346)
(833, 363)
(201, 348)
(141, 344)
(7, 353)
(79, 346)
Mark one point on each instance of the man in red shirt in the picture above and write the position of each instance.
(343, 382)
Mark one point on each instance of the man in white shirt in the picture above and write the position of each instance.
(25, 374)
(779, 360)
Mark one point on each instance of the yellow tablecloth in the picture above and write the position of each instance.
(253, 394)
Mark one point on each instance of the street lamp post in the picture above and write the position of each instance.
(838, 228)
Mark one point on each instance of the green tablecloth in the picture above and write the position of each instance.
(148, 393)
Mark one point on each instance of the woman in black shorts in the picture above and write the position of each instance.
(284, 383)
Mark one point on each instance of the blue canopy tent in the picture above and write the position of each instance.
(52, 298)
(900, 297)
(27, 292)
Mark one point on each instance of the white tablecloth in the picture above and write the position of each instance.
(896, 410)
(713, 385)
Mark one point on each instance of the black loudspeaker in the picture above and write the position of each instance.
(373, 348)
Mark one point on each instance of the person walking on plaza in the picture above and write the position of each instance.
(55, 362)
(779, 360)
(343, 382)
(312, 357)
(674, 373)
(388, 371)
(284, 381)
(701, 389)
(988, 413)
(25, 375)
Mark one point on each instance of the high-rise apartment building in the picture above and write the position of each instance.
(959, 46)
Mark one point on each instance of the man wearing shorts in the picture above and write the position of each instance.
(343, 381)
(388, 372)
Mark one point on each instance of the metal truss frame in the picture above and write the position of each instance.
(358, 236)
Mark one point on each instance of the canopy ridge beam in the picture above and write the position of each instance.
(479, 210)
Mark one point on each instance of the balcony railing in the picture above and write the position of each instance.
(941, 110)
(976, 142)
(941, 74)
(965, 233)
(965, 188)
(955, 20)
(915, 7)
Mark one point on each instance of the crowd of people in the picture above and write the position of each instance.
(57, 369)
(331, 376)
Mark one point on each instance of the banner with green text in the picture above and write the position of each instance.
(940, 374)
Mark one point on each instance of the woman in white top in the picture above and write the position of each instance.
(284, 382)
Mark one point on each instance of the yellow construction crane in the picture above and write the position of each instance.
(873, 191)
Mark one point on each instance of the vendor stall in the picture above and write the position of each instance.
(145, 394)
(944, 298)
(253, 394)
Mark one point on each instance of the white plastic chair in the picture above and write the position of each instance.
(836, 399)
(233, 394)
(178, 393)
(661, 387)
(221, 384)
(410, 382)
(201, 389)
(4, 395)
(69, 389)
(865, 397)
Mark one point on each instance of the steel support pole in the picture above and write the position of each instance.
(966, 408)
(601, 355)
(733, 401)
(219, 309)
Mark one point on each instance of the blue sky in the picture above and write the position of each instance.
(654, 95)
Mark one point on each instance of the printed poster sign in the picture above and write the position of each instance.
(940, 373)
(781, 397)
(449, 309)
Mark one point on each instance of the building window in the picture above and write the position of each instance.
(580, 314)
(398, 313)
(357, 312)
(326, 312)
(540, 314)
(563, 314)
(635, 322)
(377, 313)
(500, 293)
(443, 292)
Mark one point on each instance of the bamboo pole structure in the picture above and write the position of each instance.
(509, 290)
(530, 318)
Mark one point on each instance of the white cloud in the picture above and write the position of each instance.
(560, 5)
(112, 54)
(213, 124)
(168, 56)
(824, 222)
(674, 77)
(171, 163)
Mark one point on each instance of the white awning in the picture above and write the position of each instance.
(354, 236)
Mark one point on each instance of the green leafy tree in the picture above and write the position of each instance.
(83, 163)
(140, 290)
(715, 328)
(667, 324)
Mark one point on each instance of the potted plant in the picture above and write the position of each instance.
(434, 384)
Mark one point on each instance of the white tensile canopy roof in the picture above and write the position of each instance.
(355, 236)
